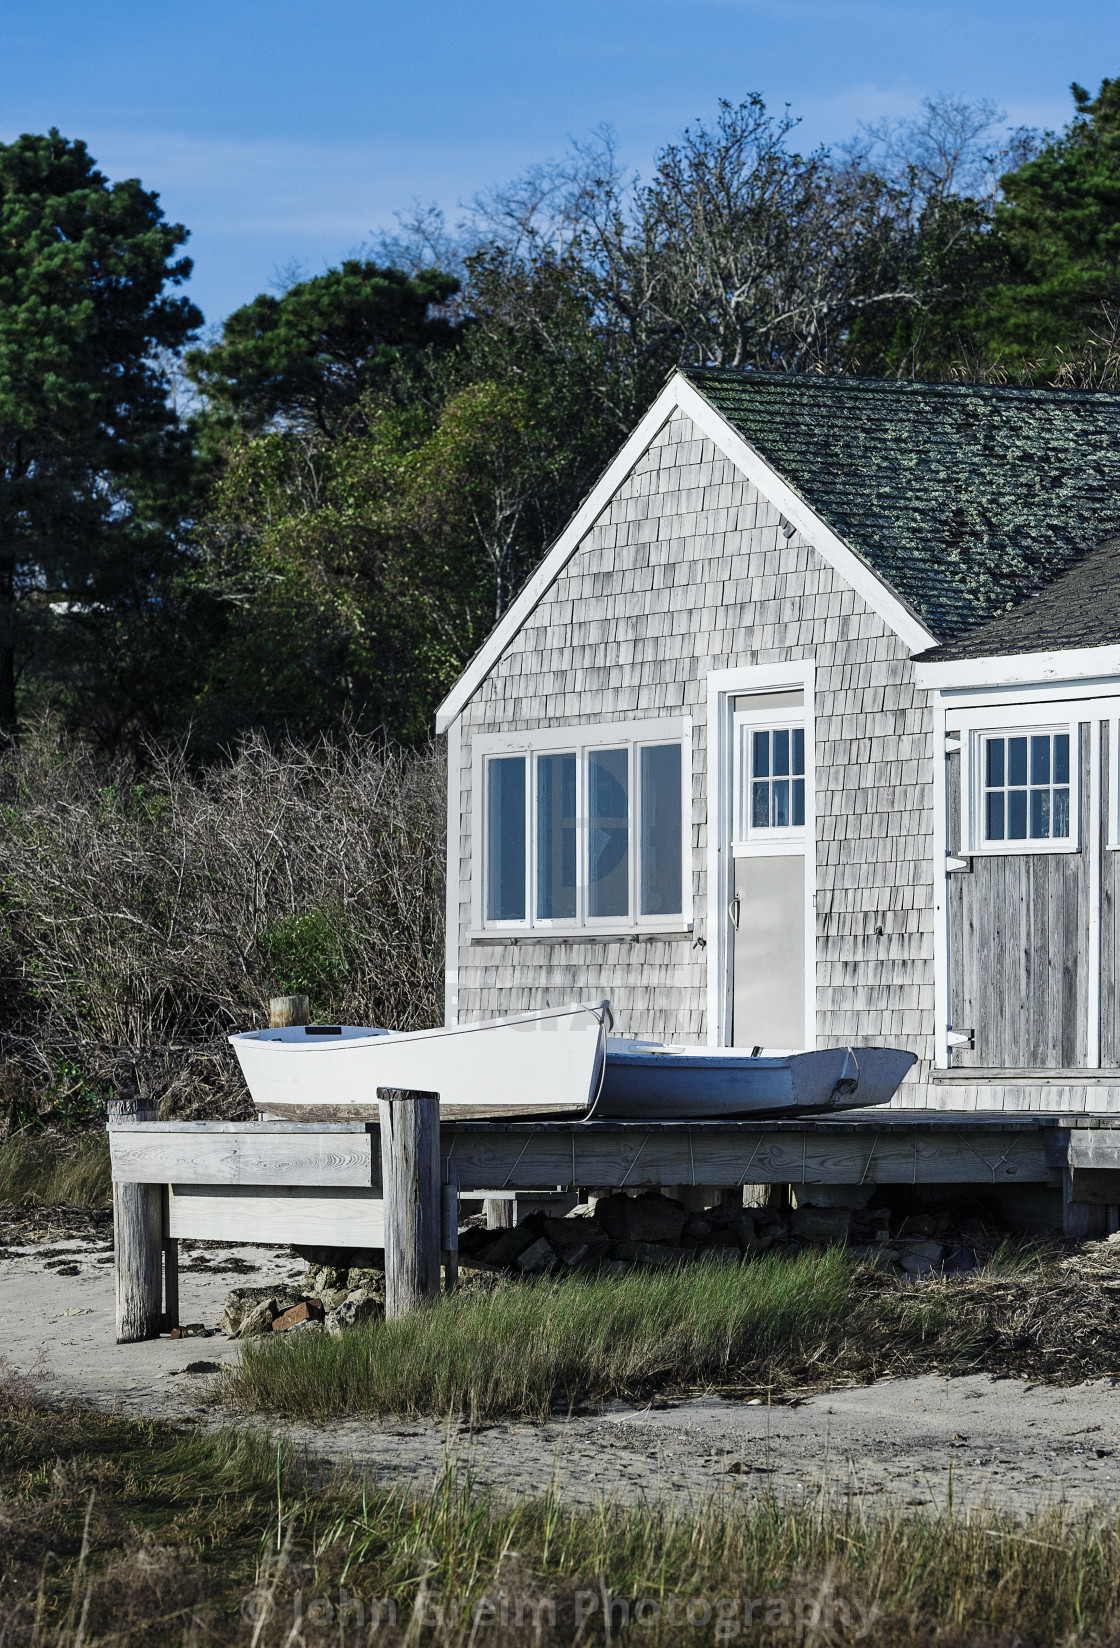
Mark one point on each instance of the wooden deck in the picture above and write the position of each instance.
(334, 1167)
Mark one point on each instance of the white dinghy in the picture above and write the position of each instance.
(548, 1062)
(558, 1061)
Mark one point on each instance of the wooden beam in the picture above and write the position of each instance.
(410, 1179)
(254, 1156)
(288, 1214)
(508, 1159)
(1095, 1186)
(287, 1011)
(1096, 1147)
(170, 1245)
(449, 1233)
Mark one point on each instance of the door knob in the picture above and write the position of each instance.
(733, 911)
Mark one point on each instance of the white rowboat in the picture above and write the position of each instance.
(553, 1062)
(529, 1063)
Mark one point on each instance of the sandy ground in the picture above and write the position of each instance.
(1004, 1443)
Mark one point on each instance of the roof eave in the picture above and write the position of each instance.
(1018, 668)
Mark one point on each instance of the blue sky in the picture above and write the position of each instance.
(291, 130)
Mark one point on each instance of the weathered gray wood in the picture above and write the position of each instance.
(320, 1217)
(501, 1212)
(885, 1147)
(170, 1245)
(250, 1157)
(410, 1178)
(137, 1244)
(1018, 929)
(1096, 1186)
(633, 1157)
(286, 1011)
(1097, 1148)
(1081, 1220)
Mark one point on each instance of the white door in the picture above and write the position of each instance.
(768, 893)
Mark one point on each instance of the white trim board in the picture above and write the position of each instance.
(1028, 669)
(679, 394)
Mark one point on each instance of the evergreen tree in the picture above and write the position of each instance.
(90, 449)
(1059, 229)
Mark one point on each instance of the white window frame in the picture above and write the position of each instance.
(580, 741)
(1110, 738)
(769, 841)
(1016, 721)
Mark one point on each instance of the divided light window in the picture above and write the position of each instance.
(770, 768)
(585, 837)
(1026, 787)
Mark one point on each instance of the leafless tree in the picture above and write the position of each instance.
(145, 920)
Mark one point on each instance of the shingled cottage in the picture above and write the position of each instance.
(806, 731)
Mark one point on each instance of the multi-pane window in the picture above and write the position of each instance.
(588, 835)
(505, 867)
(777, 778)
(1026, 786)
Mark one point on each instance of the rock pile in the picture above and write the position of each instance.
(609, 1234)
(329, 1299)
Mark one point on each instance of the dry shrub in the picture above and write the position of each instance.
(145, 916)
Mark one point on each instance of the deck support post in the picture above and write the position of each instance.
(412, 1202)
(501, 1212)
(449, 1219)
(1081, 1221)
(170, 1264)
(137, 1242)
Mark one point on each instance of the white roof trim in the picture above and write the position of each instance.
(678, 393)
(1034, 669)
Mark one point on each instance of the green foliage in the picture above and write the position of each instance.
(312, 355)
(1059, 227)
(92, 461)
(307, 954)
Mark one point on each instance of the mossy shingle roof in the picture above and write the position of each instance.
(965, 499)
(1079, 609)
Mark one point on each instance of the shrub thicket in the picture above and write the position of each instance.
(146, 915)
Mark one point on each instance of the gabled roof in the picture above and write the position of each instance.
(944, 505)
(1079, 609)
(963, 498)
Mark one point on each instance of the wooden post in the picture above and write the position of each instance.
(286, 1011)
(411, 1191)
(501, 1212)
(170, 1265)
(449, 1220)
(1081, 1221)
(137, 1241)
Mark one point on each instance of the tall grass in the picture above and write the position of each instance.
(522, 1348)
(75, 1172)
(119, 1531)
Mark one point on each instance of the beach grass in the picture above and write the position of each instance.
(118, 1531)
(529, 1349)
(56, 1169)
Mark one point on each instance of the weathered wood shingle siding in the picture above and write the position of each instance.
(687, 570)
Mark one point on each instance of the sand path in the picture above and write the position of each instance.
(1005, 1443)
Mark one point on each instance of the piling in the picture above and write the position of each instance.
(137, 1241)
(410, 1183)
